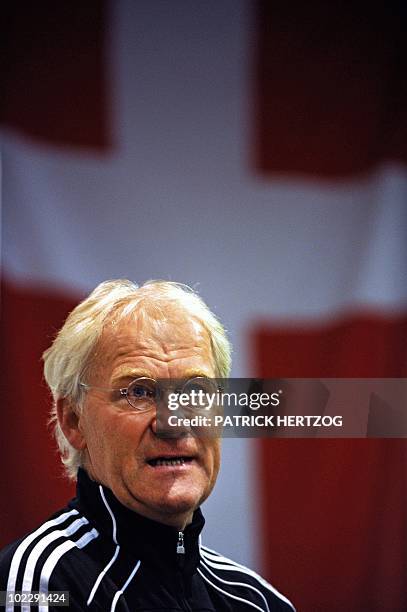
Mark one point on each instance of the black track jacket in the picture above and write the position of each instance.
(111, 559)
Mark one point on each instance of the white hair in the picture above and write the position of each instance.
(68, 360)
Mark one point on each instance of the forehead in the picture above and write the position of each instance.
(156, 343)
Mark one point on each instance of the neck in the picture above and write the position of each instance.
(177, 520)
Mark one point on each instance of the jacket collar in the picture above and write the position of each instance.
(153, 543)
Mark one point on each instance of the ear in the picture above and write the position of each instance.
(69, 422)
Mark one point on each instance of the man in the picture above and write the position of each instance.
(130, 540)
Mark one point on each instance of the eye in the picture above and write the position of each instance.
(140, 392)
(202, 392)
(200, 384)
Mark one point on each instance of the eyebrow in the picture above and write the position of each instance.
(131, 375)
(193, 373)
(141, 373)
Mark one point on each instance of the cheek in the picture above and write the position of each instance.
(97, 440)
(99, 432)
(111, 432)
(213, 457)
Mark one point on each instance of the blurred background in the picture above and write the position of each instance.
(256, 151)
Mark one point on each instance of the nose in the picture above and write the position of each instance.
(159, 422)
(153, 422)
(161, 427)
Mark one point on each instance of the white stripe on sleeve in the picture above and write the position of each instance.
(16, 560)
(56, 555)
(39, 548)
(249, 603)
(217, 561)
(242, 584)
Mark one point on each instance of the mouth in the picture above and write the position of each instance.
(169, 461)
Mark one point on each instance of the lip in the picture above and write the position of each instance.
(166, 455)
(171, 454)
(181, 467)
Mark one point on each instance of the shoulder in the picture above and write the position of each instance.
(29, 563)
(235, 581)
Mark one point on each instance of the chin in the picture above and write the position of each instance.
(179, 505)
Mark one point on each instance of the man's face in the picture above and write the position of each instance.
(121, 442)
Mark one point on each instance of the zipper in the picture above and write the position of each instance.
(180, 543)
(180, 562)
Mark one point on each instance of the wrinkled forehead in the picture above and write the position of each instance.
(153, 327)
